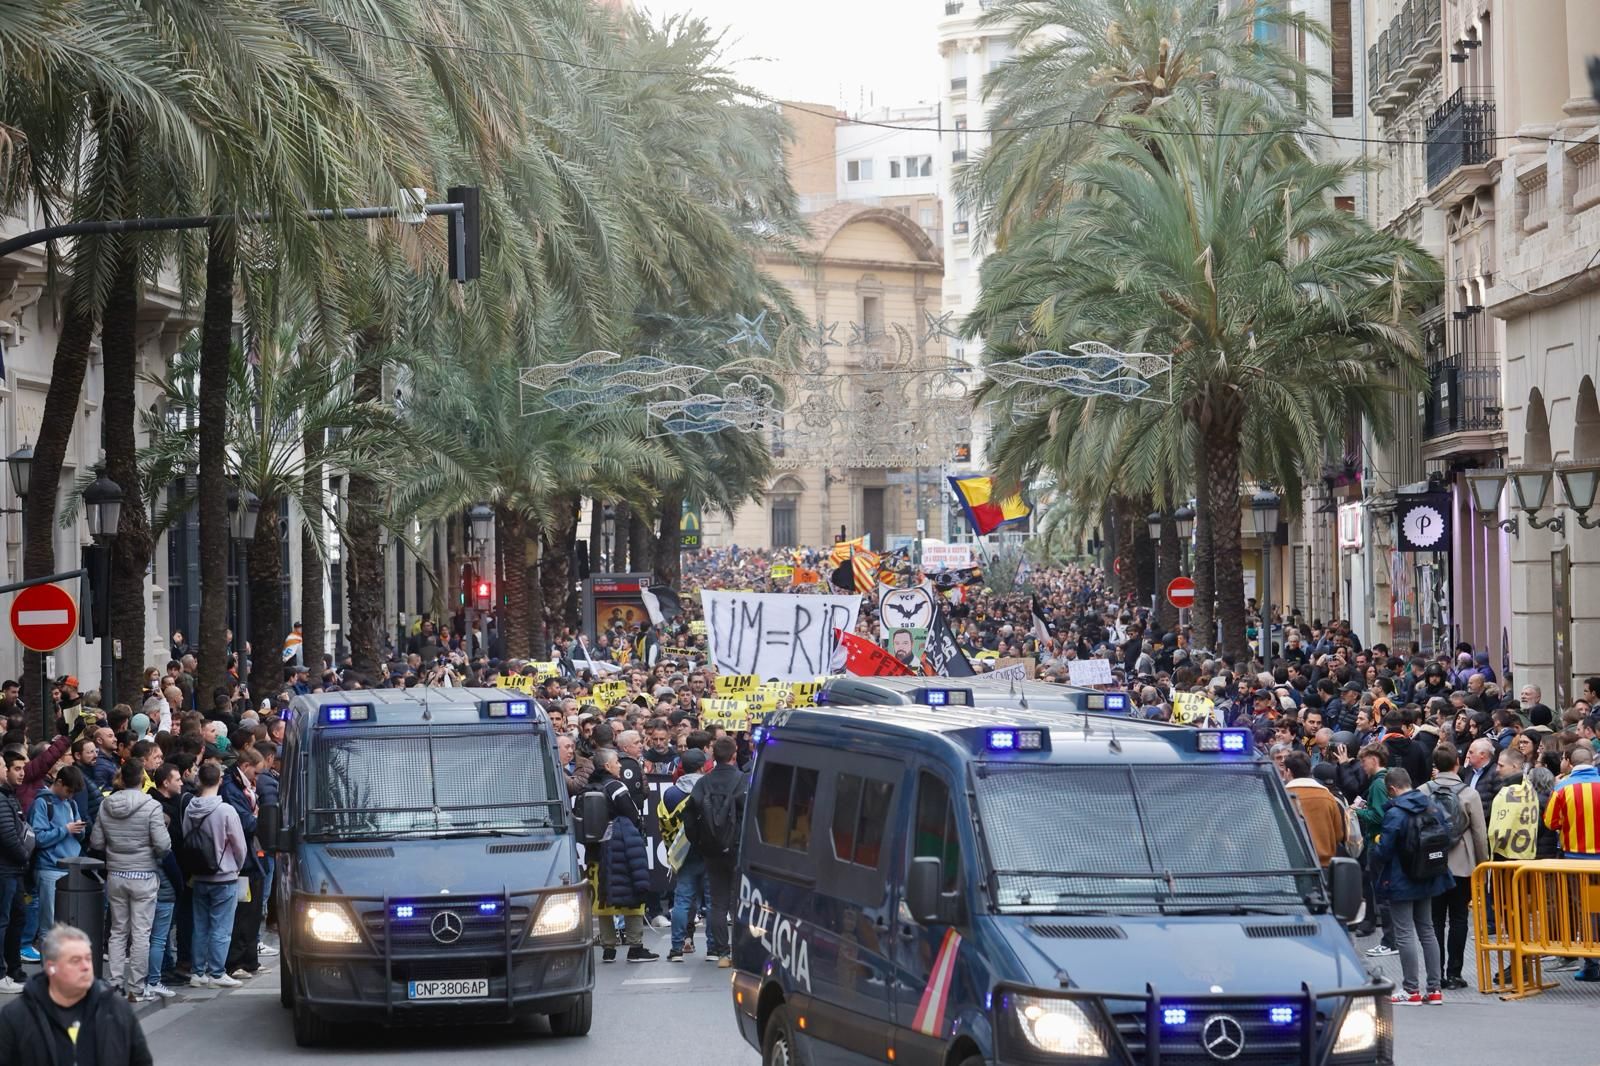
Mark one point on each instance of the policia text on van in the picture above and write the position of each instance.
(414, 888)
(1062, 889)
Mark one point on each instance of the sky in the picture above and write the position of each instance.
(854, 54)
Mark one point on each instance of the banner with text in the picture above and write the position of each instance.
(776, 636)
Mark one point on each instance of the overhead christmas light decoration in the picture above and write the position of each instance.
(939, 326)
(746, 406)
(751, 331)
(1088, 368)
(600, 378)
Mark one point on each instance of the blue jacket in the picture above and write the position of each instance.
(624, 866)
(49, 819)
(105, 770)
(1393, 881)
(233, 794)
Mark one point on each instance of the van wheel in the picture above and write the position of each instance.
(778, 1047)
(310, 1028)
(285, 987)
(575, 1020)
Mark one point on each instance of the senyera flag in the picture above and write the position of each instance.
(865, 659)
(987, 509)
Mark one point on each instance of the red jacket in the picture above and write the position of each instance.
(33, 774)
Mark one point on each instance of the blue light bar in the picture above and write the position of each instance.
(1013, 738)
(1174, 1016)
(337, 713)
(518, 708)
(346, 713)
(404, 911)
(1281, 1015)
(1116, 701)
(945, 697)
(1236, 740)
(937, 698)
(1002, 740)
(488, 906)
(1225, 741)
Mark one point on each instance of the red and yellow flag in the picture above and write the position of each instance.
(988, 507)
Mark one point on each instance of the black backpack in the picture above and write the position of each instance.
(1425, 844)
(196, 855)
(1448, 800)
(715, 827)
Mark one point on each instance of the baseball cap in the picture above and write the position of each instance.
(68, 680)
(1351, 686)
(693, 761)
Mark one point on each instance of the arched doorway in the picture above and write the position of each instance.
(784, 498)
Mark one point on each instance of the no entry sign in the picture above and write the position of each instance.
(1180, 592)
(44, 617)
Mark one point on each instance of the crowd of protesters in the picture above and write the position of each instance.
(1371, 741)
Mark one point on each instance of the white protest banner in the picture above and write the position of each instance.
(774, 635)
(1014, 672)
(1089, 672)
(946, 556)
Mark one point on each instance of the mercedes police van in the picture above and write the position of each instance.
(980, 691)
(954, 888)
(427, 868)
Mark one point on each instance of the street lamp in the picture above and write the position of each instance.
(1152, 524)
(1486, 487)
(244, 508)
(103, 503)
(1184, 516)
(21, 464)
(608, 529)
(1264, 513)
(1530, 486)
(482, 517)
(1579, 483)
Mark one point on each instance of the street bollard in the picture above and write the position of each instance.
(81, 902)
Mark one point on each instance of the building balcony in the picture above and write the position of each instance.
(1406, 56)
(958, 85)
(958, 156)
(1461, 411)
(959, 228)
(1461, 135)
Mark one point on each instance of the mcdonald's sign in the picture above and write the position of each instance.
(689, 529)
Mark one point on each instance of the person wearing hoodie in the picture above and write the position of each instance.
(239, 792)
(133, 834)
(1410, 901)
(16, 850)
(1471, 848)
(212, 824)
(63, 1005)
(689, 880)
(1572, 812)
(1403, 751)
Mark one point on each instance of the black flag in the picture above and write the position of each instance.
(941, 654)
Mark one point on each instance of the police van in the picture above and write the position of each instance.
(921, 884)
(979, 691)
(427, 864)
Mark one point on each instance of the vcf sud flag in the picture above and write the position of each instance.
(988, 507)
(865, 659)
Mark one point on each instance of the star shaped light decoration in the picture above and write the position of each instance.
(751, 331)
(939, 326)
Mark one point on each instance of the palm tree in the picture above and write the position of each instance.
(1194, 234)
(1086, 64)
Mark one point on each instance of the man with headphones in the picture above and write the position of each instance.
(64, 1011)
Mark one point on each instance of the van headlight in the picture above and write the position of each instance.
(560, 914)
(1058, 1027)
(1359, 1031)
(331, 924)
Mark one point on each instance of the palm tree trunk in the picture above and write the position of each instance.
(532, 578)
(1223, 482)
(267, 628)
(669, 543)
(49, 452)
(642, 550)
(621, 536)
(313, 615)
(1167, 550)
(567, 509)
(597, 534)
(365, 559)
(1203, 618)
(216, 347)
(131, 551)
(511, 531)
(1124, 527)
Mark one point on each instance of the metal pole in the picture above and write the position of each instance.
(1266, 601)
(243, 631)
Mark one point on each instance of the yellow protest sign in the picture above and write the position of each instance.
(516, 681)
(805, 692)
(1192, 707)
(765, 699)
(737, 684)
(698, 627)
(608, 692)
(782, 573)
(730, 714)
(544, 670)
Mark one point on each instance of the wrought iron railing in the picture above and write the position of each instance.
(1463, 394)
(1460, 133)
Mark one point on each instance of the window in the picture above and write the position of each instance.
(934, 835)
(860, 810)
(1344, 95)
(1344, 203)
(894, 168)
(871, 317)
(783, 809)
(783, 523)
(918, 166)
(858, 170)
(925, 217)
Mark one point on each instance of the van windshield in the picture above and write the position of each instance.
(1153, 839)
(422, 781)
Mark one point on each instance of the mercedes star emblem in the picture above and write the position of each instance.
(446, 929)
(1222, 1037)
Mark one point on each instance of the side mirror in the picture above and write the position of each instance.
(1344, 888)
(269, 823)
(922, 889)
(594, 814)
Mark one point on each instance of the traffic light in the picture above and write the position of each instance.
(463, 229)
(485, 595)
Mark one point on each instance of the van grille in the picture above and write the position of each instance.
(1272, 932)
(1265, 1043)
(1079, 932)
(480, 932)
(520, 846)
(348, 851)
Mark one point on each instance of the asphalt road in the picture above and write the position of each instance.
(656, 1013)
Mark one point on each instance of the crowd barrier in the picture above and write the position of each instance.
(1524, 911)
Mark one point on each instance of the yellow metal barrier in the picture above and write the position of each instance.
(1546, 907)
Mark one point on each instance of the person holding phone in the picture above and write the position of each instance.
(58, 827)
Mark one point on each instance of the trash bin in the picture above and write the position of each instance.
(81, 903)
